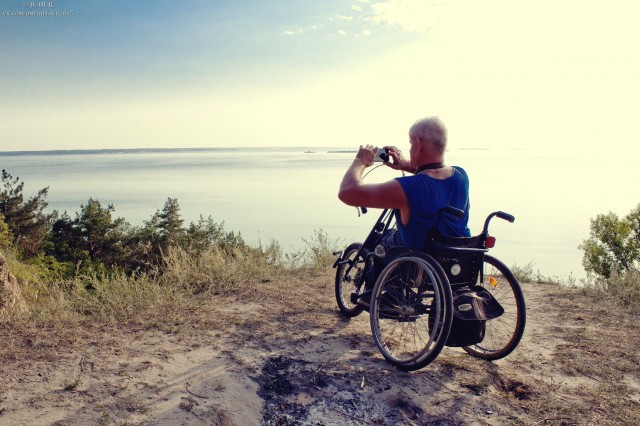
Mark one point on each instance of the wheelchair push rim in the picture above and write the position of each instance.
(411, 311)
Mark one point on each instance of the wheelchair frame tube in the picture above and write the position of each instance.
(374, 234)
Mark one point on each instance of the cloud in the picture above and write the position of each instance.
(412, 15)
(295, 31)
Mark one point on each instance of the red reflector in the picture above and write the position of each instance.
(490, 242)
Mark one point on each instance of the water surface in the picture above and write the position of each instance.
(287, 193)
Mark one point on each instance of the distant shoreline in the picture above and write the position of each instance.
(108, 151)
(112, 151)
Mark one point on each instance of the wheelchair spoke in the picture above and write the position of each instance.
(502, 334)
(408, 316)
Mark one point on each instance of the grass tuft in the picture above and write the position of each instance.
(526, 274)
(624, 287)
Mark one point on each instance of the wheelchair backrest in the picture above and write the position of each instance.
(461, 264)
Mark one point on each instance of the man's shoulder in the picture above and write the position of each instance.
(461, 171)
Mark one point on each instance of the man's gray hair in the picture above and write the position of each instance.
(430, 130)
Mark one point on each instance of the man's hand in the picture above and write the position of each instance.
(399, 162)
(387, 195)
(366, 154)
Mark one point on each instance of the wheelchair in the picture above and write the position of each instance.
(450, 294)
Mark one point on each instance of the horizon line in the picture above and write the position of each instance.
(138, 150)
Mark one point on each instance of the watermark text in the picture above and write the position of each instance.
(37, 8)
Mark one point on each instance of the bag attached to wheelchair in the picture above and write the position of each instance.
(472, 307)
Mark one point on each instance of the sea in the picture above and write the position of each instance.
(288, 194)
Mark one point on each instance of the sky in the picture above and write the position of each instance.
(544, 74)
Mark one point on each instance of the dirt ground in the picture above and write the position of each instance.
(272, 357)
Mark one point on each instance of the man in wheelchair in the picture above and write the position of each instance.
(426, 283)
(419, 199)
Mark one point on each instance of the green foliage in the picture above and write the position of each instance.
(613, 245)
(95, 241)
(5, 236)
(204, 234)
(91, 241)
(31, 272)
(26, 222)
(612, 256)
(98, 234)
(170, 223)
(163, 230)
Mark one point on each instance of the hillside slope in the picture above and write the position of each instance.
(281, 354)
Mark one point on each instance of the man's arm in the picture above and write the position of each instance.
(354, 192)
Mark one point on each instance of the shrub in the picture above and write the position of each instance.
(524, 274)
(612, 256)
(614, 244)
(319, 250)
(624, 287)
(5, 237)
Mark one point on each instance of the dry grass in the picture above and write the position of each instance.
(179, 299)
(216, 270)
(623, 287)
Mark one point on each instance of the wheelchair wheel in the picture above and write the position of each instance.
(351, 284)
(411, 311)
(502, 334)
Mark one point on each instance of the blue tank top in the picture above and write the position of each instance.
(427, 197)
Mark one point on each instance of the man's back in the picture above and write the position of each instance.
(427, 195)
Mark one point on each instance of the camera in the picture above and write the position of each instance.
(382, 155)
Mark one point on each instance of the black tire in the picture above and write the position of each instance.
(502, 334)
(411, 311)
(346, 285)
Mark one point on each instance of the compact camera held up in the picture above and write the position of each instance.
(382, 156)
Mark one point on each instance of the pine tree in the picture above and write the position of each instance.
(170, 223)
(26, 221)
(103, 237)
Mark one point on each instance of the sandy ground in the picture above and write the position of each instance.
(260, 360)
